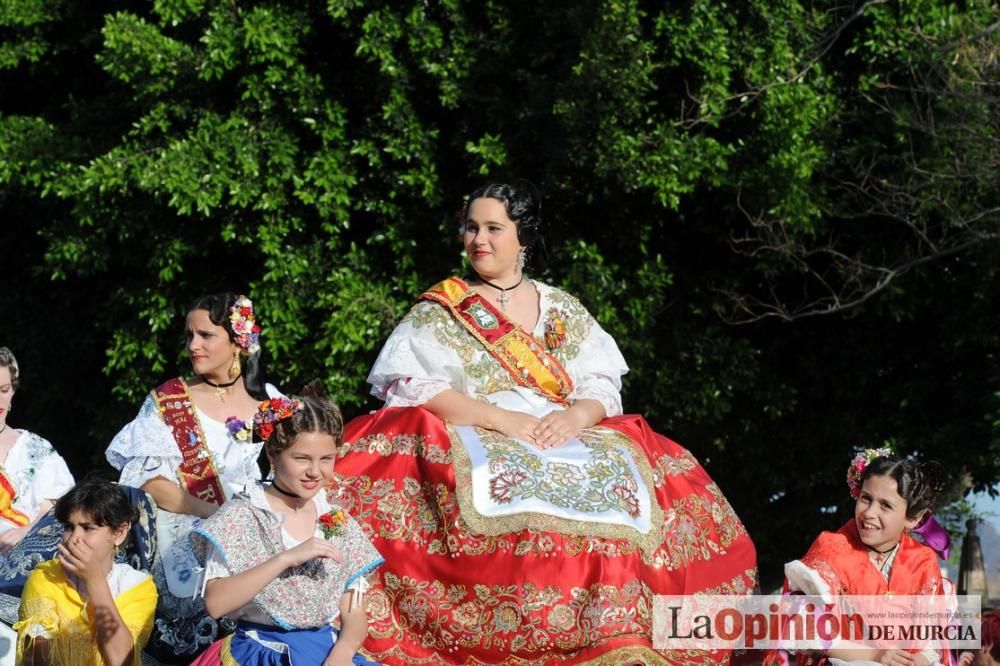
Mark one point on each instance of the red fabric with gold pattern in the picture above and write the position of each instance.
(446, 595)
(843, 562)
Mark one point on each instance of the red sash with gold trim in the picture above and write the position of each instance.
(7, 495)
(521, 355)
(197, 471)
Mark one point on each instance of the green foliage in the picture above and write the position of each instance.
(702, 162)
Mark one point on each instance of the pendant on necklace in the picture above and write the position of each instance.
(221, 392)
(503, 299)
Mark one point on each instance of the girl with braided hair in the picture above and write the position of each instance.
(874, 554)
(280, 559)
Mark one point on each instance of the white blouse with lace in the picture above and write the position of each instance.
(429, 352)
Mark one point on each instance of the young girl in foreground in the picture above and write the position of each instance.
(873, 554)
(83, 608)
(280, 559)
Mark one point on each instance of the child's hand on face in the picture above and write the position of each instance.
(79, 559)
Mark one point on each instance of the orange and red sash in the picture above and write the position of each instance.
(518, 352)
(8, 493)
(197, 471)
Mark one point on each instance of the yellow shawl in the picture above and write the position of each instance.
(50, 602)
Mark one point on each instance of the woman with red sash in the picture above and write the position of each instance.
(184, 451)
(874, 555)
(522, 517)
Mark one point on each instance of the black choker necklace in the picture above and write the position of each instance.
(882, 552)
(274, 484)
(503, 299)
(220, 388)
(882, 556)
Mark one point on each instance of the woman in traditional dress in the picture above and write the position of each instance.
(522, 517)
(32, 475)
(83, 608)
(281, 559)
(873, 555)
(182, 450)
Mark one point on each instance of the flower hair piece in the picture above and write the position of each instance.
(859, 464)
(244, 323)
(271, 412)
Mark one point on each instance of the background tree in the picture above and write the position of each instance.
(786, 215)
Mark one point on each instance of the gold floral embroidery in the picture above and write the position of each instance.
(692, 528)
(698, 527)
(520, 619)
(576, 324)
(667, 465)
(482, 369)
(409, 445)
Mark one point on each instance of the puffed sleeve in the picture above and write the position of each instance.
(588, 352)
(53, 479)
(41, 474)
(144, 449)
(416, 363)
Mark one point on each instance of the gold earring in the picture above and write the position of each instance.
(236, 367)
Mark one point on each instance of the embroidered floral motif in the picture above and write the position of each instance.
(503, 485)
(605, 483)
(576, 324)
(524, 620)
(410, 445)
(698, 527)
(332, 523)
(555, 328)
(667, 465)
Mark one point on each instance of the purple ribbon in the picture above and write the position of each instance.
(935, 536)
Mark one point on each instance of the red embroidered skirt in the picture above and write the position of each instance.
(529, 596)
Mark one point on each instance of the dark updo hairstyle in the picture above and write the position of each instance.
(217, 306)
(104, 501)
(8, 361)
(318, 415)
(523, 204)
(917, 483)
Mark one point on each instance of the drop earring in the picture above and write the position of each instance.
(236, 367)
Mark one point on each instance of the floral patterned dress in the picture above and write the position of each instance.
(497, 552)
